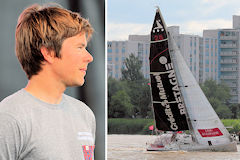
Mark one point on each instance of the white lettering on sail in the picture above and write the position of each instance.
(175, 88)
(169, 113)
(176, 92)
(162, 93)
(164, 103)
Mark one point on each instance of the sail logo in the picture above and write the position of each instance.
(210, 132)
(163, 60)
(159, 27)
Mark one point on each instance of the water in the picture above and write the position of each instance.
(133, 147)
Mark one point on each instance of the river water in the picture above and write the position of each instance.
(133, 147)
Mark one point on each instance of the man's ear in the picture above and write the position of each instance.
(47, 54)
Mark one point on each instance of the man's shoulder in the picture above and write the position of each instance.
(12, 100)
(74, 101)
(77, 104)
(11, 105)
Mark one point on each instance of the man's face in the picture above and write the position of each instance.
(71, 68)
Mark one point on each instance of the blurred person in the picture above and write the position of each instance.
(40, 121)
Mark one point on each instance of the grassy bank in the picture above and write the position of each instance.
(129, 126)
(140, 126)
(234, 125)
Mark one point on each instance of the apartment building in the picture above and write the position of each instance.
(229, 58)
(200, 54)
(119, 50)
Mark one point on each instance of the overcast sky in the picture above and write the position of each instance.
(126, 17)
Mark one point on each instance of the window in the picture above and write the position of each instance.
(207, 45)
(109, 59)
(207, 61)
(109, 44)
(109, 50)
(116, 50)
(123, 50)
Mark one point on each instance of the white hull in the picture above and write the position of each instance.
(230, 147)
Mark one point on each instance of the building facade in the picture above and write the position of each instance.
(229, 57)
(228, 43)
(214, 56)
(200, 54)
(119, 50)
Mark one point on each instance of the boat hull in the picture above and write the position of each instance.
(230, 147)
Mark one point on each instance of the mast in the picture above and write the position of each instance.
(180, 84)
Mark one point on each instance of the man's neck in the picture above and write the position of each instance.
(45, 89)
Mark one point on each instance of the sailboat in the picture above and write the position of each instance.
(179, 104)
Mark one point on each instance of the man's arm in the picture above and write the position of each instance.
(10, 138)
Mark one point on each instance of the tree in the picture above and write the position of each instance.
(120, 105)
(235, 110)
(218, 95)
(140, 98)
(139, 91)
(214, 102)
(224, 112)
(132, 71)
(114, 96)
(130, 96)
(217, 91)
(113, 86)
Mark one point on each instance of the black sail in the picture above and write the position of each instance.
(168, 105)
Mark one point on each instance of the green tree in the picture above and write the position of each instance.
(235, 110)
(214, 102)
(113, 87)
(218, 96)
(130, 96)
(140, 98)
(217, 91)
(138, 90)
(120, 105)
(132, 70)
(223, 112)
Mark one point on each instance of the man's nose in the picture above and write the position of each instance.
(89, 57)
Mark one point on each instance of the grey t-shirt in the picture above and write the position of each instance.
(31, 129)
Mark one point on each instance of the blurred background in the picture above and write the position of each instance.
(12, 77)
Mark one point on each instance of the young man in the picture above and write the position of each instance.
(39, 121)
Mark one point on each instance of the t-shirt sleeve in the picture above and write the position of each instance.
(94, 127)
(10, 138)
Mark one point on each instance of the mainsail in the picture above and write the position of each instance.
(178, 101)
(169, 109)
(206, 125)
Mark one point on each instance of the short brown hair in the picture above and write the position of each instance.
(45, 26)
